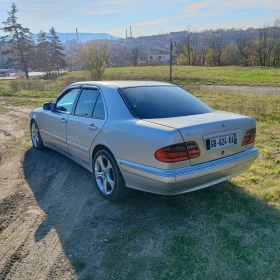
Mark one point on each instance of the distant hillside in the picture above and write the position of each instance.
(83, 37)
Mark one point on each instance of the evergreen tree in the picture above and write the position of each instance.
(19, 40)
(43, 57)
(56, 51)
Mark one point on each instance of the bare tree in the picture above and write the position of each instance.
(185, 48)
(135, 55)
(217, 44)
(276, 51)
(93, 56)
(204, 47)
(244, 45)
(261, 46)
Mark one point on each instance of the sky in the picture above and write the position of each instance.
(146, 17)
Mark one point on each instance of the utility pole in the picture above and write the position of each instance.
(172, 44)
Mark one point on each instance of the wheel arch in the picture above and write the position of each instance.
(97, 148)
(32, 120)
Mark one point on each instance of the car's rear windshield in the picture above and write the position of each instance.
(150, 102)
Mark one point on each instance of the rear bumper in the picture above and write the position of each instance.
(187, 179)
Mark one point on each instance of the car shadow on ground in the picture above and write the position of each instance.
(147, 236)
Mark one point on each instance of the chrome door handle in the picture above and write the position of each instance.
(63, 120)
(92, 127)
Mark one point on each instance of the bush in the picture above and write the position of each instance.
(72, 79)
(14, 85)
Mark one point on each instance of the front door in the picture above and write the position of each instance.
(55, 122)
(85, 123)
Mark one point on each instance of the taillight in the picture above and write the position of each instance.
(193, 149)
(249, 137)
(178, 152)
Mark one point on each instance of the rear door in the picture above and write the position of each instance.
(55, 121)
(85, 123)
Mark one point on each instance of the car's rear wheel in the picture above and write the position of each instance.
(36, 139)
(108, 177)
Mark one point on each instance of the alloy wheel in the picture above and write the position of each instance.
(35, 135)
(104, 175)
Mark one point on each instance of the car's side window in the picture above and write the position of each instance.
(99, 110)
(66, 102)
(86, 102)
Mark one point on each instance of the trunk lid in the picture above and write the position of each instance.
(218, 134)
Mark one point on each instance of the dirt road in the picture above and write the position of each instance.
(53, 222)
(51, 217)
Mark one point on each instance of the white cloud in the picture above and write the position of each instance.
(216, 7)
(157, 21)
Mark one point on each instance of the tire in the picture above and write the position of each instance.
(108, 178)
(36, 139)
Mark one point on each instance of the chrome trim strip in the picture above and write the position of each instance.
(56, 137)
(75, 145)
(189, 170)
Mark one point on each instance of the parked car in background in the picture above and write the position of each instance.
(150, 136)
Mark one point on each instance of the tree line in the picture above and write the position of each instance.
(47, 55)
(251, 47)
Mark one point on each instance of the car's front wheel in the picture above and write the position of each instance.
(36, 137)
(108, 177)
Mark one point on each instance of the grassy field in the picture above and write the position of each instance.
(23, 92)
(228, 231)
(249, 76)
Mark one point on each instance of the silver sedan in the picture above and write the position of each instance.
(149, 136)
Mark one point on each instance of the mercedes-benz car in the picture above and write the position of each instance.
(149, 136)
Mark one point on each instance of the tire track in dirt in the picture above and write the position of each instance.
(52, 253)
(16, 257)
(14, 236)
(48, 248)
(46, 217)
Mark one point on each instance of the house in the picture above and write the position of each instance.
(158, 57)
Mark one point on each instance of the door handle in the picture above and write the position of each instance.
(92, 127)
(63, 120)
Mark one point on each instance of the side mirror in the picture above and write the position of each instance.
(53, 105)
(47, 106)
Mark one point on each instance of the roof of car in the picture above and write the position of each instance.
(124, 84)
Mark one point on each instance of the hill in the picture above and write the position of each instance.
(83, 37)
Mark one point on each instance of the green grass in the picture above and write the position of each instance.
(231, 75)
(228, 231)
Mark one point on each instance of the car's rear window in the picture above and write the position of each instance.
(150, 102)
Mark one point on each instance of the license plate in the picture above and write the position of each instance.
(220, 142)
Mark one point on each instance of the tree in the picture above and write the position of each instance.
(135, 55)
(93, 56)
(19, 41)
(41, 55)
(217, 44)
(204, 47)
(185, 49)
(56, 51)
(244, 45)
